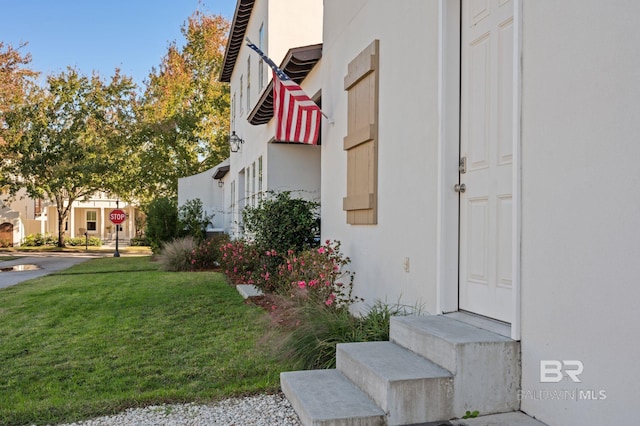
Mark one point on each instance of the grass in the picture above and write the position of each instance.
(115, 333)
(312, 343)
(78, 249)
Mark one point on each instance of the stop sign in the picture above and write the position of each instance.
(117, 216)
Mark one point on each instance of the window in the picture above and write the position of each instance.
(249, 84)
(37, 207)
(261, 83)
(253, 184)
(247, 188)
(361, 142)
(233, 197)
(91, 220)
(233, 111)
(241, 97)
(260, 179)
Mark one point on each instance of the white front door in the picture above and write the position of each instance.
(486, 147)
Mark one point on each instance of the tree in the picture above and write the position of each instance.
(162, 222)
(282, 223)
(15, 76)
(65, 142)
(193, 220)
(184, 116)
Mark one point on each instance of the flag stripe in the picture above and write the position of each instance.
(297, 117)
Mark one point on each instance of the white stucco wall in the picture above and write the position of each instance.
(294, 168)
(205, 187)
(298, 21)
(581, 211)
(408, 151)
(287, 24)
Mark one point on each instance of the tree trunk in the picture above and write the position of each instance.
(61, 219)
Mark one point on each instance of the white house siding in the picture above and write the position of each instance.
(581, 209)
(291, 23)
(408, 146)
(579, 177)
(295, 167)
(287, 24)
(205, 188)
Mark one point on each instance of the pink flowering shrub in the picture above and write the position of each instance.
(318, 276)
(205, 255)
(241, 262)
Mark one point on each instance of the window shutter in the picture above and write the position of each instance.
(361, 142)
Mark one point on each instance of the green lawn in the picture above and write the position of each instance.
(77, 249)
(114, 333)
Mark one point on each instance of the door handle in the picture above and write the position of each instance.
(460, 187)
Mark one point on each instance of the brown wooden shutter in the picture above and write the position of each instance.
(361, 142)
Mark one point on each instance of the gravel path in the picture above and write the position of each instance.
(261, 410)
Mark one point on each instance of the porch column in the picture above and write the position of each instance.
(72, 222)
(131, 220)
(102, 224)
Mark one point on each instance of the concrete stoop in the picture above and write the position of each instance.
(434, 369)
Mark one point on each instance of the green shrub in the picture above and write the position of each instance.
(162, 222)
(313, 343)
(317, 276)
(80, 241)
(38, 240)
(282, 223)
(241, 261)
(207, 254)
(175, 255)
(139, 242)
(193, 220)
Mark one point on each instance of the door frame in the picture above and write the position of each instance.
(448, 238)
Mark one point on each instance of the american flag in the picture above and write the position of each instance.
(297, 116)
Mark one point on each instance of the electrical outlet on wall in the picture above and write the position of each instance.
(406, 264)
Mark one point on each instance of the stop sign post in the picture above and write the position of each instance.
(116, 217)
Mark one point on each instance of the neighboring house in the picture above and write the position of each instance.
(260, 163)
(19, 218)
(25, 216)
(209, 187)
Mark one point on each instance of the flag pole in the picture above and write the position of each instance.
(272, 65)
(329, 120)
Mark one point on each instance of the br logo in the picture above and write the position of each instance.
(553, 371)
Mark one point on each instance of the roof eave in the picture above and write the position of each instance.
(237, 32)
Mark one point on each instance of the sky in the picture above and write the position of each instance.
(100, 35)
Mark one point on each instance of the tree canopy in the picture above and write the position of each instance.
(75, 135)
(66, 140)
(184, 115)
(15, 76)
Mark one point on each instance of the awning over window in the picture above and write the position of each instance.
(297, 64)
(220, 172)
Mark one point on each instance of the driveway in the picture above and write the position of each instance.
(47, 262)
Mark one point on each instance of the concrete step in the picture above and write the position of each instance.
(328, 398)
(248, 290)
(485, 365)
(408, 388)
(505, 419)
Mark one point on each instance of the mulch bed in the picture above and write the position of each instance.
(282, 311)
